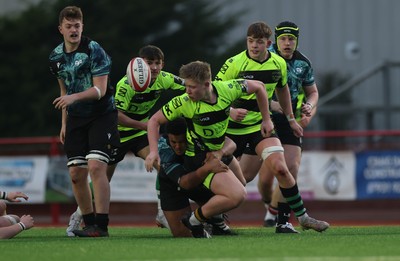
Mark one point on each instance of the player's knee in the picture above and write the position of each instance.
(78, 175)
(99, 156)
(281, 170)
(238, 197)
(13, 219)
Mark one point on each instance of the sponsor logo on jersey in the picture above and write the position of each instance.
(276, 75)
(176, 103)
(78, 62)
(299, 70)
(204, 119)
(224, 68)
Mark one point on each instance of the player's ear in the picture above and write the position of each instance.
(269, 42)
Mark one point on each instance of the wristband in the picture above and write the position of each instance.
(290, 117)
(3, 195)
(22, 225)
(98, 92)
(310, 104)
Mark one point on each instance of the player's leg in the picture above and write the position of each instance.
(228, 192)
(271, 151)
(76, 218)
(175, 224)
(234, 165)
(266, 189)
(292, 156)
(6, 220)
(101, 186)
(103, 139)
(161, 221)
(83, 196)
(75, 146)
(175, 205)
(250, 165)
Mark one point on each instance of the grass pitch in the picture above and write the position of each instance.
(369, 243)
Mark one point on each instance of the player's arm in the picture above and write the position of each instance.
(97, 91)
(195, 178)
(312, 96)
(153, 134)
(227, 150)
(309, 109)
(229, 147)
(63, 92)
(26, 222)
(14, 196)
(283, 95)
(10, 231)
(126, 121)
(259, 90)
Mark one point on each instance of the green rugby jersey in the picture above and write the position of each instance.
(300, 76)
(137, 105)
(77, 69)
(272, 72)
(207, 123)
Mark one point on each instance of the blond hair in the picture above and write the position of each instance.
(197, 71)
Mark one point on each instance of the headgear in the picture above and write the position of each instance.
(287, 28)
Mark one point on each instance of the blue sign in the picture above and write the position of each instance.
(15, 173)
(378, 175)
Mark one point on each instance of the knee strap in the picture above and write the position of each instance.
(11, 219)
(98, 155)
(268, 151)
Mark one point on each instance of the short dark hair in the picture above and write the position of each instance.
(176, 127)
(259, 30)
(70, 13)
(151, 52)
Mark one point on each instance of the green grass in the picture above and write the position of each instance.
(252, 244)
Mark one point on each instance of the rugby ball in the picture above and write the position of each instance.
(138, 74)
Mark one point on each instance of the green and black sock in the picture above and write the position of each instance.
(293, 198)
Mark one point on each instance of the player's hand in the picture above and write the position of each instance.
(297, 129)
(27, 220)
(267, 127)
(238, 114)
(215, 165)
(152, 159)
(63, 101)
(304, 121)
(16, 196)
(306, 109)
